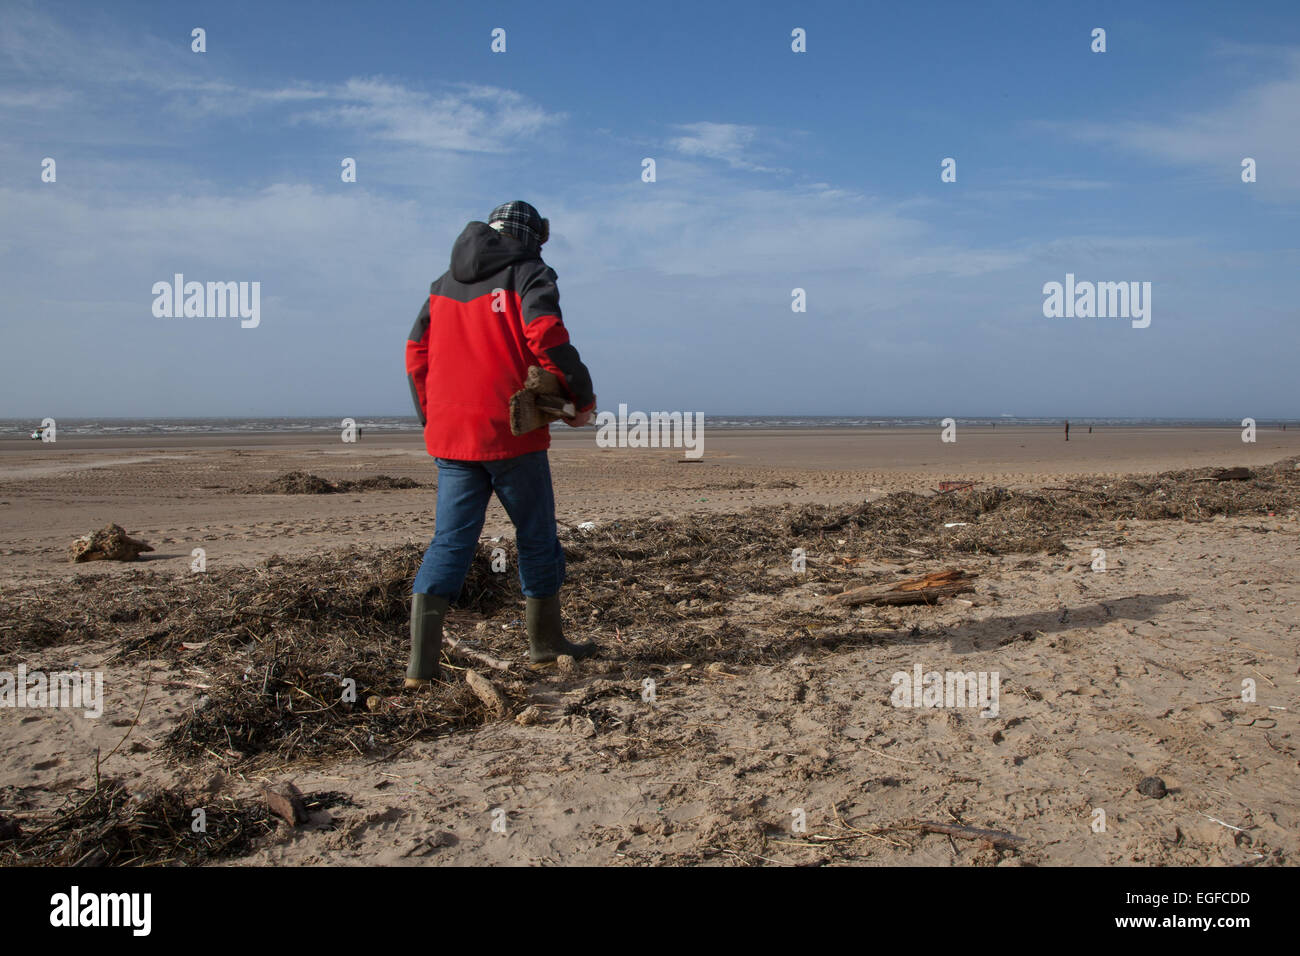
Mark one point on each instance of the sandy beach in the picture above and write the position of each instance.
(772, 735)
(183, 493)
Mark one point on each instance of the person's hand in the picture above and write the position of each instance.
(582, 418)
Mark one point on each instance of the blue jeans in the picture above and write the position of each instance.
(523, 485)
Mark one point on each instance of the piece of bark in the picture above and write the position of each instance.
(923, 590)
(109, 543)
(948, 486)
(487, 692)
(286, 801)
(934, 579)
(972, 833)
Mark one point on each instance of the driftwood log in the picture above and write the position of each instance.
(1229, 474)
(109, 543)
(923, 590)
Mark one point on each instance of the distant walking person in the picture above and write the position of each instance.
(493, 314)
(1067, 430)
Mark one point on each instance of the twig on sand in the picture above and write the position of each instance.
(881, 753)
(970, 833)
(1221, 823)
(460, 647)
(148, 669)
(857, 831)
(755, 856)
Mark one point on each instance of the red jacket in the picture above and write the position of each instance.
(495, 312)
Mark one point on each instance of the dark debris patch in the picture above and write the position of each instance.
(302, 483)
(109, 826)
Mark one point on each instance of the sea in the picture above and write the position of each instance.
(108, 427)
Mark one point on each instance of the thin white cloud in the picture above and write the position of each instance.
(727, 142)
(1261, 122)
(38, 69)
(468, 119)
(39, 100)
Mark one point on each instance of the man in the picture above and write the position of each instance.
(494, 313)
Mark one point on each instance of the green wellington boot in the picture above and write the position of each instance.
(427, 614)
(546, 632)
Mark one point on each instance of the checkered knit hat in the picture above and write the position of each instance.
(520, 220)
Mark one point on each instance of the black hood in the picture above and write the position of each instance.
(481, 251)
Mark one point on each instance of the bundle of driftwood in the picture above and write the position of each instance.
(541, 401)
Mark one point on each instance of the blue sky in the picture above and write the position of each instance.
(775, 170)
